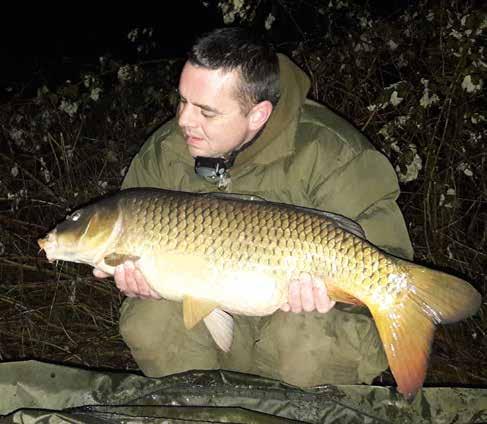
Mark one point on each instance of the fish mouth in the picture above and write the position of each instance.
(42, 243)
(48, 244)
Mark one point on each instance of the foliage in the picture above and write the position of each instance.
(66, 146)
(413, 81)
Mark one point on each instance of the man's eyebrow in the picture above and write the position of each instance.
(204, 107)
(208, 108)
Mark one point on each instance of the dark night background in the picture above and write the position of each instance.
(52, 52)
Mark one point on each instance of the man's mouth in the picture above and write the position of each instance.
(191, 139)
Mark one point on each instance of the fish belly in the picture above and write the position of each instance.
(235, 289)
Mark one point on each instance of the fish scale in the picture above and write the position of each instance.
(207, 222)
(224, 255)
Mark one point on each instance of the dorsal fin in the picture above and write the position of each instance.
(236, 196)
(340, 221)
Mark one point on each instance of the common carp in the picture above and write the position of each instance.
(221, 256)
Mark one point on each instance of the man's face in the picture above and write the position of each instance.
(208, 113)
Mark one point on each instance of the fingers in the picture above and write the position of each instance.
(308, 294)
(295, 296)
(153, 294)
(139, 284)
(131, 282)
(286, 307)
(301, 294)
(322, 302)
(98, 273)
(307, 299)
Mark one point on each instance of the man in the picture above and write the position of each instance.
(244, 124)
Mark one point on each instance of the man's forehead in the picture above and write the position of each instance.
(198, 84)
(215, 78)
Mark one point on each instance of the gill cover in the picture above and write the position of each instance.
(89, 229)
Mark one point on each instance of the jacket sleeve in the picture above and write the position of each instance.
(365, 189)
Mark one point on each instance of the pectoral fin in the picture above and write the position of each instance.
(220, 326)
(194, 310)
(114, 259)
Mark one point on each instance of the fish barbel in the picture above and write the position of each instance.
(222, 256)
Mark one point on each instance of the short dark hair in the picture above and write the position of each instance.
(238, 49)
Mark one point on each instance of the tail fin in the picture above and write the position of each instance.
(407, 329)
(443, 297)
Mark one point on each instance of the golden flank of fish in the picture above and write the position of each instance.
(222, 256)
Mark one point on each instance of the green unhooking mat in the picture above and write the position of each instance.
(35, 392)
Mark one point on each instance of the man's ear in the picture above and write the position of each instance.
(259, 115)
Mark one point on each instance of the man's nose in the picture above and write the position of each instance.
(187, 116)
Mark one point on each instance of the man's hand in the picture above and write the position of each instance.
(307, 294)
(130, 281)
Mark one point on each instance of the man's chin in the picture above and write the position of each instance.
(194, 151)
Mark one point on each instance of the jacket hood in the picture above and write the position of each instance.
(277, 138)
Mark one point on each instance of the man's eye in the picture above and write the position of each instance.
(208, 114)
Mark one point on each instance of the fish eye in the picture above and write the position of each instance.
(75, 216)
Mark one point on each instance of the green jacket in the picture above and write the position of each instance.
(306, 155)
